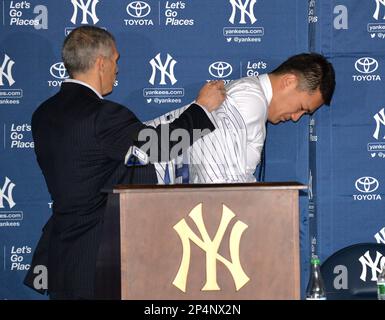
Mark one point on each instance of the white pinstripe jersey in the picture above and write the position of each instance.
(231, 152)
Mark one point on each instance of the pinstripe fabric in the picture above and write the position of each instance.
(168, 169)
(230, 153)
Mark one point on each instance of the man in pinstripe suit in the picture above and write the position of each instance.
(230, 154)
(81, 141)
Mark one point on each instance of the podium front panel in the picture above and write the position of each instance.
(209, 243)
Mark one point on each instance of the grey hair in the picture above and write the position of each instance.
(83, 45)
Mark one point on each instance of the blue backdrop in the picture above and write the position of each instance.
(177, 46)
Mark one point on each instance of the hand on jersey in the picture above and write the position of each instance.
(212, 95)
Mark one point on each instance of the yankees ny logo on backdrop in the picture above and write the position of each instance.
(165, 69)
(6, 193)
(211, 248)
(245, 7)
(380, 119)
(88, 9)
(380, 236)
(376, 14)
(6, 71)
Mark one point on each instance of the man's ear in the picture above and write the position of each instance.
(289, 80)
(99, 63)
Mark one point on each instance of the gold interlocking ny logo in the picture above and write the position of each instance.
(211, 248)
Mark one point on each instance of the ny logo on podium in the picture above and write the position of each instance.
(211, 248)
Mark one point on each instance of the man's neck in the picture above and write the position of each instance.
(78, 81)
(89, 79)
(274, 81)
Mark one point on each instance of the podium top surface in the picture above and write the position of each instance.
(182, 187)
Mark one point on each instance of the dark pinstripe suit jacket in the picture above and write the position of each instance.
(80, 144)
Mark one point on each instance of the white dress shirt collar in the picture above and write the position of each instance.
(84, 84)
(266, 87)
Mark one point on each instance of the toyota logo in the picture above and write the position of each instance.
(59, 71)
(367, 184)
(366, 65)
(220, 69)
(138, 9)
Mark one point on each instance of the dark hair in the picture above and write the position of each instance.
(83, 45)
(314, 71)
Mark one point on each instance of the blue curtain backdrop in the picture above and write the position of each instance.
(177, 46)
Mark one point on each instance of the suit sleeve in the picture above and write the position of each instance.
(117, 129)
(40, 256)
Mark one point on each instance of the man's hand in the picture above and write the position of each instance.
(211, 95)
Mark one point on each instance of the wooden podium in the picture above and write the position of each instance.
(201, 242)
